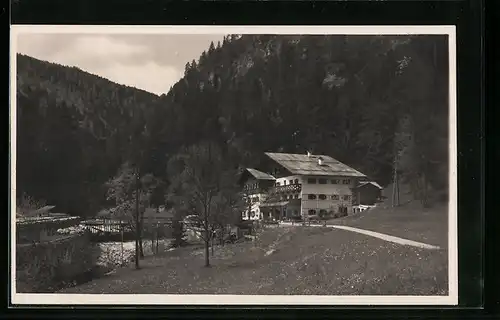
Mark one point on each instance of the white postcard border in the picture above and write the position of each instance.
(192, 299)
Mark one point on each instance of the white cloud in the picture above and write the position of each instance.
(100, 46)
(96, 51)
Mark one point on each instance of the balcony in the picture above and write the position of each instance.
(290, 188)
(280, 203)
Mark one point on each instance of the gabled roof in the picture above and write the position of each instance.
(302, 164)
(259, 175)
(364, 183)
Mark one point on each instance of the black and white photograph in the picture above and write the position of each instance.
(233, 165)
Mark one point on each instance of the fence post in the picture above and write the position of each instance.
(121, 232)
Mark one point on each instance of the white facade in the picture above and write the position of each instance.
(253, 211)
(326, 193)
(304, 185)
(320, 193)
(254, 196)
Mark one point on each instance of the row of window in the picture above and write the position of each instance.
(324, 197)
(251, 186)
(319, 196)
(325, 181)
(314, 181)
(309, 197)
(290, 197)
(253, 214)
(313, 212)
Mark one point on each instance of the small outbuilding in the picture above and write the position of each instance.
(367, 193)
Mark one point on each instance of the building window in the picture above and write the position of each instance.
(335, 197)
(346, 181)
(322, 197)
(296, 181)
(290, 197)
(252, 214)
(322, 181)
(311, 181)
(311, 212)
(290, 182)
(295, 212)
(277, 184)
(347, 197)
(311, 196)
(334, 181)
(296, 196)
(284, 182)
(284, 197)
(322, 212)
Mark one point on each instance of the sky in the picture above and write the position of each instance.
(151, 62)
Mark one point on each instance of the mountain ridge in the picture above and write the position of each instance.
(84, 71)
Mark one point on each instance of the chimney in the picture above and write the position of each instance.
(309, 154)
(320, 161)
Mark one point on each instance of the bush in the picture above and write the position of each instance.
(178, 233)
(47, 266)
(339, 214)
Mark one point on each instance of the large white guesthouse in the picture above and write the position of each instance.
(304, 185)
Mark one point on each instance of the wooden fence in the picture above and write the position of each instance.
(106, 226)
(113, 230)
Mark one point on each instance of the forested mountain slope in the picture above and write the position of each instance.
(73, 132)
(360, 99)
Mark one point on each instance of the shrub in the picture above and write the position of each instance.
(339, 214)
(178, 233)
(47, 266)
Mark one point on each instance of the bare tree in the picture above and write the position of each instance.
(203, 188)
(228, 205)
(131, 194)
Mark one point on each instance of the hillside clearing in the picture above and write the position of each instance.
(311, 261)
